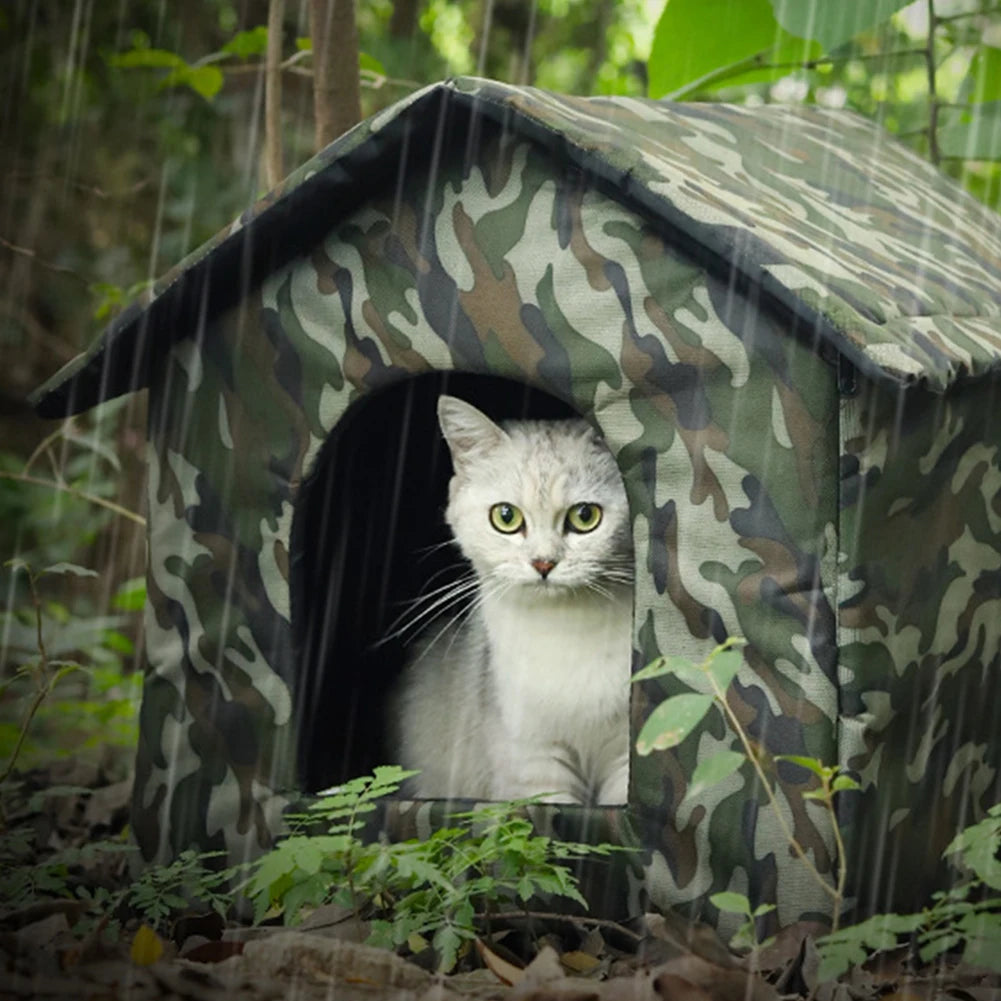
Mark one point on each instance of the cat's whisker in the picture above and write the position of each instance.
(458, 620)
(424, 551)
(431, 604)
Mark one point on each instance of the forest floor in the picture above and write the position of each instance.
(63, 945)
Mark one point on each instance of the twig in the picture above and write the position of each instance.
(758, 61)
(553, 916)
(41, 262)
(118, 509)
(44, 444)
(40, 693)
(949, 18)
(776, 809)
(257, 67)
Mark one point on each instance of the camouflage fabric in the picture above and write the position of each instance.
(738, 299)
(890, 260)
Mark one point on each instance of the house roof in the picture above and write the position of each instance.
(892, 263)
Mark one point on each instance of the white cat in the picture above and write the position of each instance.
(528, 691)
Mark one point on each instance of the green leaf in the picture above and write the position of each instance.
(203, 80)
(982, 933)
(723, 667)
(971, 134)
(833, 22)
(689, 45)
(680, 666)
(711, 771)
(147, 58)
(672, 721)
(119, 642)
(843, 783)
(983, 80)
(978, 845)
(818, 768)
(131, 595)
(852, 946)
(246, 44)
(731, 903)
(73, 569)
(371, 64)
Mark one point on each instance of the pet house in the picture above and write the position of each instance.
(788, 328)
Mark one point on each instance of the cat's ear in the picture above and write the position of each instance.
(470, 434)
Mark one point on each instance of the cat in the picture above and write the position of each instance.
(527, 691)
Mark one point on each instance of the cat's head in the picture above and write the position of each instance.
(538, 504)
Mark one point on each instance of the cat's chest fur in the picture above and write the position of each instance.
(559, 667)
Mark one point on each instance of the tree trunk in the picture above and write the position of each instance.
(336, 87)
(403, 22)
(274, 165)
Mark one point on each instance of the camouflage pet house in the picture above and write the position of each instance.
(786, 325)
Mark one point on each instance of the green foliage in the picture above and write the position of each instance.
(832, 25)
(678, 716)
(26, 879)
(964, 919)
(978, 846)
(753, 39)
(933, 75)
(160, 893)
(745, 936)
(188, 883)
(419, 890)
(203, 78)
(66, 689)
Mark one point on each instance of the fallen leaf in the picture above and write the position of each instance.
(676, 988)
(579, 962)
(505, 972)
(147, 947)
(719, 982)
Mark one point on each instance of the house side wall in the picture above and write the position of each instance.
(722, 422)
(919, 630)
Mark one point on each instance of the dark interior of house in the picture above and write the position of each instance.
(368, 540)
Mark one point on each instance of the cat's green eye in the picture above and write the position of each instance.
(583, 517)
(506, 518)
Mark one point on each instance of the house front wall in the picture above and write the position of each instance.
(723, 420)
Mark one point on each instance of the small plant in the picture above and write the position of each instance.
(746, 936)
(42, 643)
(431, 891)
(676, 717)
(163, 891)
(965, 919)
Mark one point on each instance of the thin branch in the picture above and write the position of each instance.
(758, 61)
(582, 919)
(41, 262)
(257, 67)
(44, 444)
(772, 799)
(18, 176)
(123, 512)
(949, 18)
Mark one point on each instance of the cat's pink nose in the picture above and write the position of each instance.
(544, 567)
